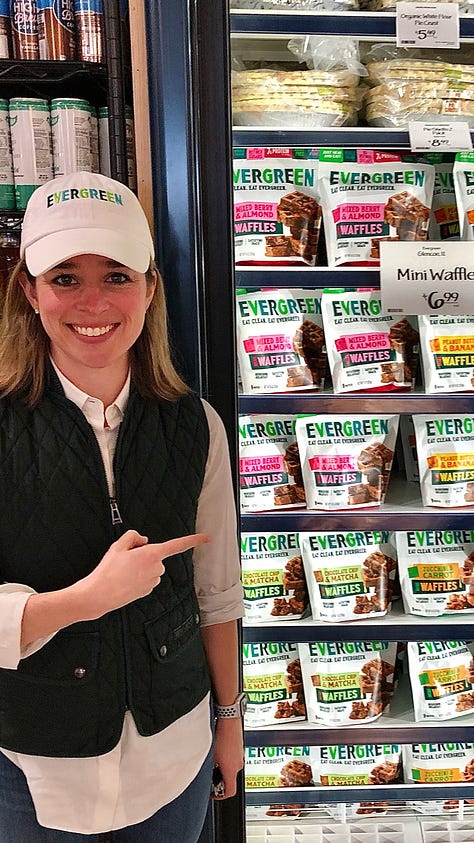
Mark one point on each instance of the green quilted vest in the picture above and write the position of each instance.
(56, 523)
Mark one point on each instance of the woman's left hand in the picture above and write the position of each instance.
(229, 752)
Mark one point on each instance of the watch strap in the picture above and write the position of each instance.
(236, 709)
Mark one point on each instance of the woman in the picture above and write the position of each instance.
(112, 632)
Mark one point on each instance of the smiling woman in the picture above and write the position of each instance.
(109, 465)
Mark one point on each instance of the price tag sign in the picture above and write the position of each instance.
(439, 136)
(432, 278)
(428, 25)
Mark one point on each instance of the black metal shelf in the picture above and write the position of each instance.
(308, 277)
(357, 24)
(357, 136)
(53, 79)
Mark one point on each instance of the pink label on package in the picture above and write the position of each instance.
(362, 342)
(255, 210)
(255, 153)
(253, 465)
(260, 345)
(332, 463)
(364, 211)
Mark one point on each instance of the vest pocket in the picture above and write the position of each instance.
(68, 659)
(166, 641)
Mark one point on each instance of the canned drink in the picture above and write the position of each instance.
(31, 146)
(71, 136)
(130, 145)
(7, 186)
(56, 29)
(104, 143)
(6, 51)
(95, 160)
(24, 29)
(89, 16)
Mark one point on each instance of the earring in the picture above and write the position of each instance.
(36, 311)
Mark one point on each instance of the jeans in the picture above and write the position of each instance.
(180, 821)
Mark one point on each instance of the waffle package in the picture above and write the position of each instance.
(273, 683)
(463, 171)
(346, 682)
(444, 220)
(368, 350)
(269, 463)
(346, 765)
(346, 460)
(408, 448)
(369, 196)
(447, 353)
(441, 678)
(280, 766)
(431, 763)
(272, 577)
(445, 448)
(436, 570)
(349, 575)
(280, 341)
(277, 214)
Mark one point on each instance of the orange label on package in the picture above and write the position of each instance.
(448, 461)
(445, 344)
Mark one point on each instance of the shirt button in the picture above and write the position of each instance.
(196, 619)
(163, 650)
(80, 672)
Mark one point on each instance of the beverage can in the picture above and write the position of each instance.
(104, 145)
(6, 51)
(7, 188)
(71, 136)
(56, 29)
(24, 24)
(130, 146)
(89, 16)
(95, 159)
(31, 145)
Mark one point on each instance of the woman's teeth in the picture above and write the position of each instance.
(93, 332)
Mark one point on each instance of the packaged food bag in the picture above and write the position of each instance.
(350, 575)
(273, 683)
(348, 765)
(346, 682)
(369, 196)
(441, 679)
(273, 577)
(280, 766)
(277, 214)
(368, 350)
(280, 340)
(434, 763)
(444, 220)
(269, 464)
(447, 353)
(346, 460)
(408, 443)
(436, 570)
(463, 172)
(445, 448)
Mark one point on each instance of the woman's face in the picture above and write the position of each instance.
(93, 310)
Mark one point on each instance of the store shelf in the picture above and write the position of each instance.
(309, 277)
(54, 78)
(395, 626)
(368, 25)
(11, 220)
(357, 136)
(379, 793)
(362, 402)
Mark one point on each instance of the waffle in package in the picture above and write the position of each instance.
(441, 679)
(346, 765)
(370, 196)
(346, 682)
(273, 683)
(436, 571)
(463, 171)
(445, 448)
(444, 220)
(350, 575)
(269, 463)
(368, 350)
(280, 341)
(272, 577)
(447, 353)
(277, 214)
(280, 766)
(434, 763)
(346, 460)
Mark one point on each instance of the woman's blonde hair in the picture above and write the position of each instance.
(24, 346)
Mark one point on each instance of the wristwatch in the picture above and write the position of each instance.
(237, 709)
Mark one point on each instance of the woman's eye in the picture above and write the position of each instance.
(119, 278)
(63, 280)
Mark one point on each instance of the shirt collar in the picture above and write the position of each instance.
(93, 408)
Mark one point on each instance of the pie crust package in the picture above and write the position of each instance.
(273, 683)
(441, 678)
(347, 683)
(464, 189)
(346, 460)
(436, 571)
(269, 463)
(277, 213)
(273, 577)
(368, 350)
(447, 353)
(350, 575)
(280, 341)
(445, 448)
(368, 197)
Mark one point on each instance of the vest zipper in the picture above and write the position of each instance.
(115, 512)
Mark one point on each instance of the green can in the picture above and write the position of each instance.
(30, 128)
(7, 186)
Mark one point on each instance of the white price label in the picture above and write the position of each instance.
(453, 136)
(432, 278)
(428, 25)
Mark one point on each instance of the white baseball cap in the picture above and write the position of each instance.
(85, 213)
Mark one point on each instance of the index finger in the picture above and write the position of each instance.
(179, 545)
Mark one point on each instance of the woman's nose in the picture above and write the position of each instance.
(92, 298)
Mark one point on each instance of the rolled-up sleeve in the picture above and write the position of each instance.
(13, 599)
(216, 565)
